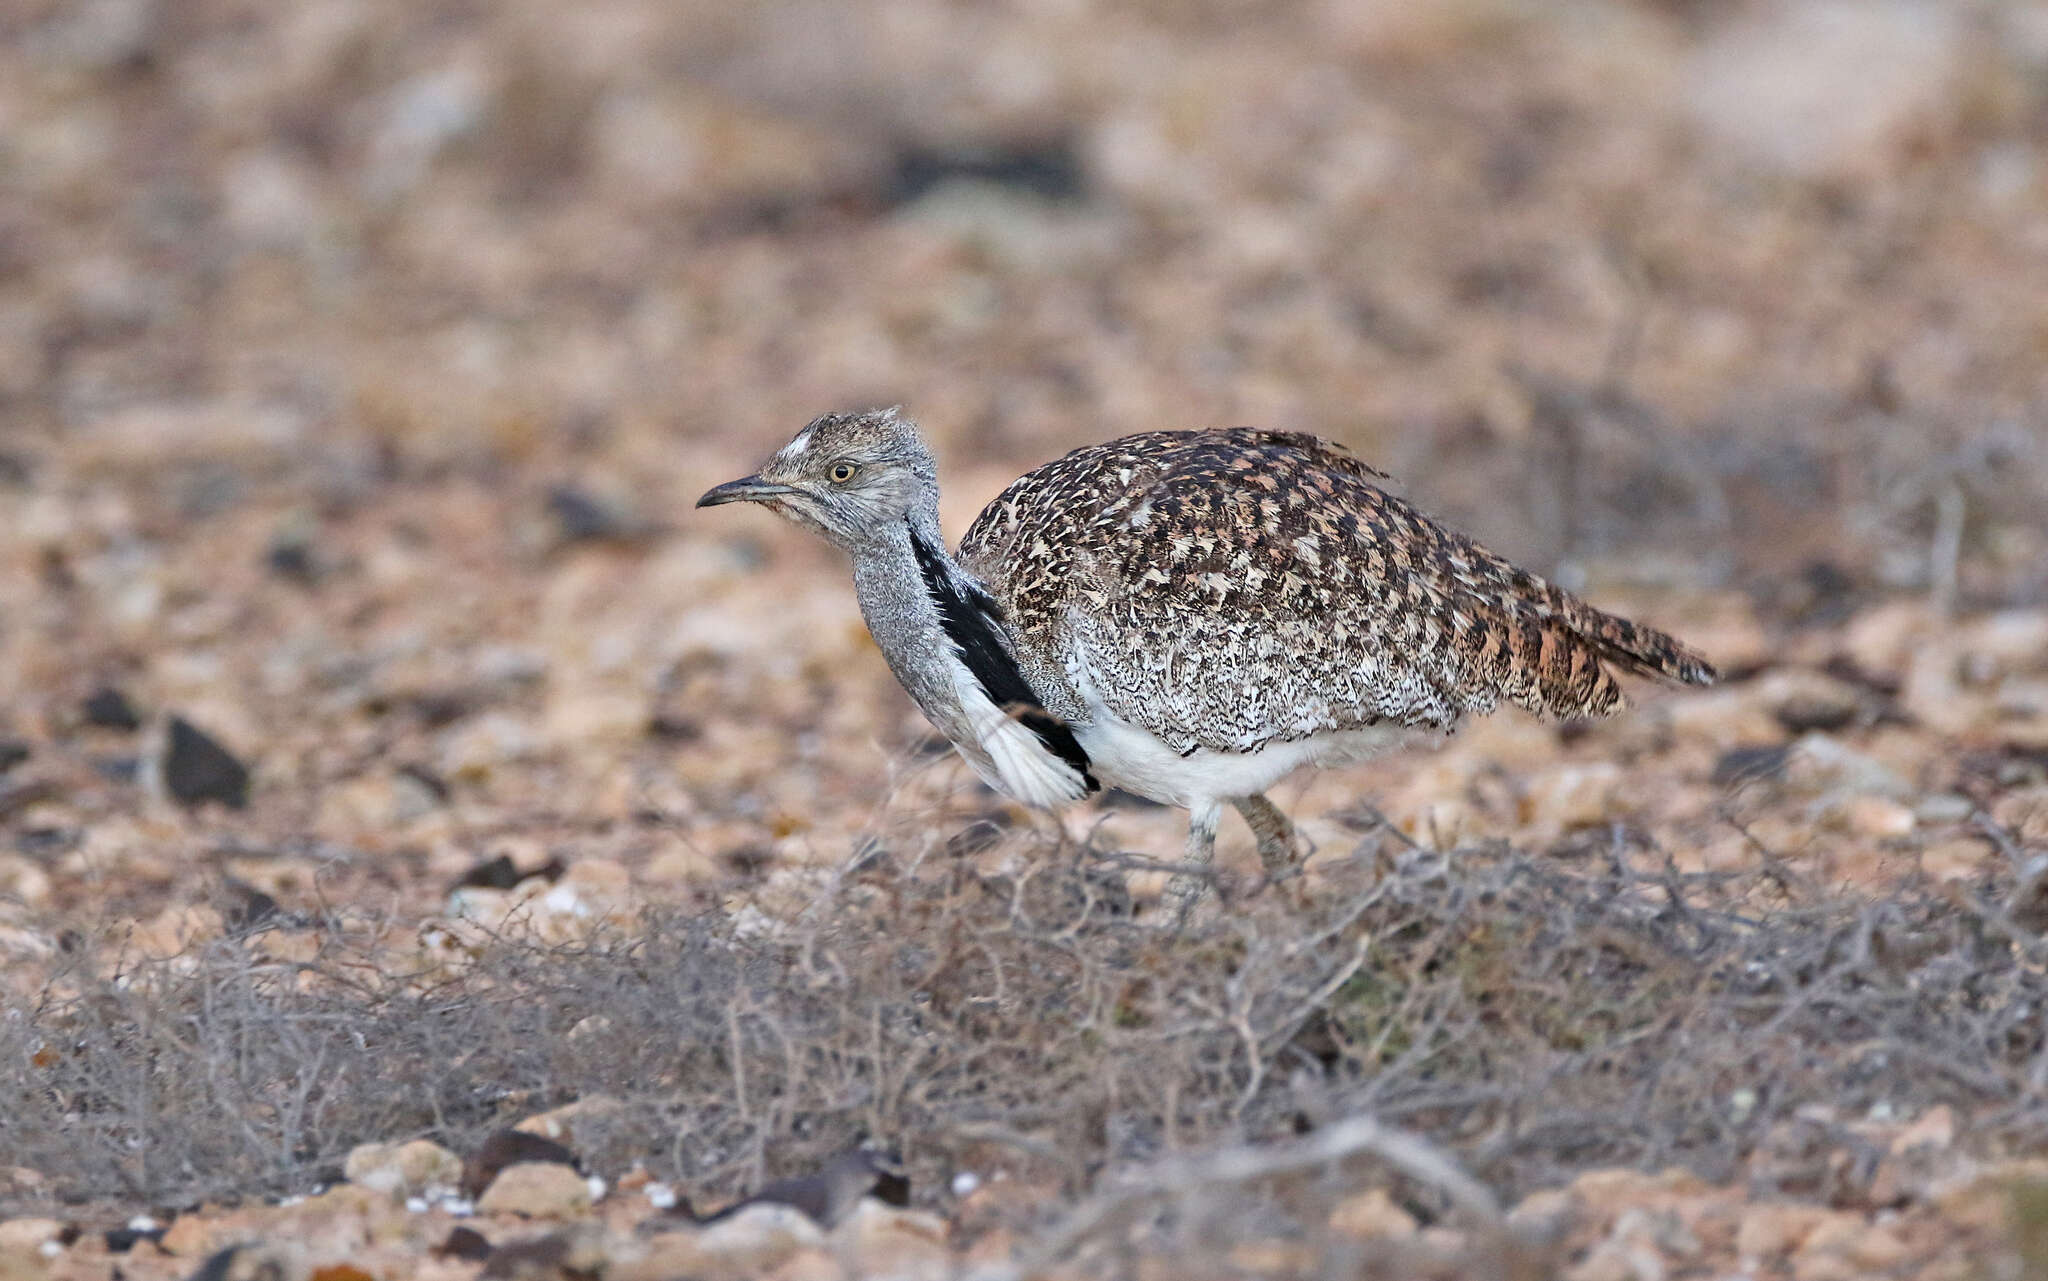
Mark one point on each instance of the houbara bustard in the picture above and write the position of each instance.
(1189, 615)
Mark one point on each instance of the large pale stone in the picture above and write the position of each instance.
(1372, 1214)
(760, 1237)
(403, 1169)
(537, 1190)
(885, 1241)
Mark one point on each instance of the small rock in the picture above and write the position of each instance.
(2028, 901)
(588, 1029)
(979, 835)
(1270, 1257)
(253, 1261)
(189, 1235)
(1933, 693)
(1573, 796)
(2010, 640)
(1842, 1247)
(1018, 230)
(29, 1236)
(1769, 1232)
(1661, 1232)
(1823, 764)
(2024, 813)
(175, 929)
(1617, 1261)
(123, 1239)
(24, 881)
(1877, 817)
(12, 753)
(1943, 807)
(758, 1237)
(1933, 1132)
(682, 865)
(292, 558)
(478, 745)
(294, 549)
(506, 1148)
(664, 1256)
(582, 516)
(812, 1265)
(490, 907)
(108, 708)
(403, 1169)
(1046, 170)
(536, 1190)
(117, 769)
(198, 769)
(1959, 859)
(1720, 718)
(1542, 1210)
(20, 1178)
(885, 1241)
(1877, 1249)
(595, 715)
(1803, 701)
(574, 1255)
(673, 727)
(1803, 712)
(249, 909)
(1749, 764)
(1443, 824)
(1370, 1215)
(1986, 1199)
(466, 1243)
(1603, 1191)
(497, 873)
(586, 1124)
(603, 880)
(413, 792)
(1880, 639)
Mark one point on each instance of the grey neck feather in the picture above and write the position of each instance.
(905, 622)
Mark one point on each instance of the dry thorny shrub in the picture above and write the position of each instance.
(1534, 1015)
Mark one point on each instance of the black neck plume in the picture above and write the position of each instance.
(970, 619)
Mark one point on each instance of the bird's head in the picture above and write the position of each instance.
(852, 477)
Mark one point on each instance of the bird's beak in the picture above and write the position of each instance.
(747, 489)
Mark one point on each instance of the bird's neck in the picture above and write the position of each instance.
(892, 576)
(948, 642)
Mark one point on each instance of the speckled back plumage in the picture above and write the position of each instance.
(1232, 589)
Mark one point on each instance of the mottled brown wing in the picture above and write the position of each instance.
(1231, 589)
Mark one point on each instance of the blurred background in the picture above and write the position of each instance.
(359, 359)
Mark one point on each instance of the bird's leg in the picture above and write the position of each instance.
(1273, 830)
(1185, 890)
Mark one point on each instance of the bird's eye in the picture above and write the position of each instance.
(843, 472)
